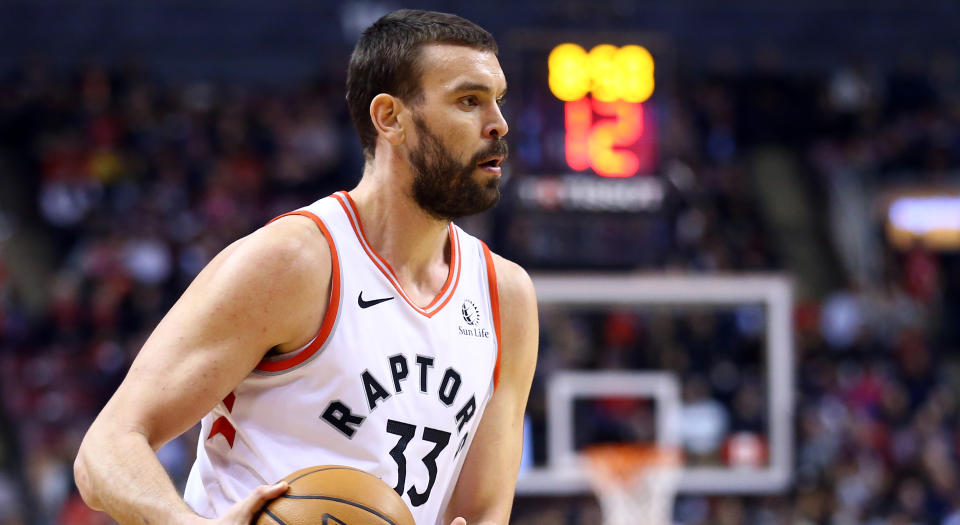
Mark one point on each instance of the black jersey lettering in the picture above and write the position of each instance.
(425, 363)
(340, 416)
(398, 366)
(373, 388)
(449, 386)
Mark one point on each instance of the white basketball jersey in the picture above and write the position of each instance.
(386, 386)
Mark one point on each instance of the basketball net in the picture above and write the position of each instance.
(633, 483)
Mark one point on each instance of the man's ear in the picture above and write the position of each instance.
(384, 112)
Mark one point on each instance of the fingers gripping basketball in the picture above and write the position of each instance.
(251, 506)
(334, 494)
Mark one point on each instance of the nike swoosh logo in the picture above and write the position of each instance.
(368, 304)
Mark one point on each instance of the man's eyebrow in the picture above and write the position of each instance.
(474, 86)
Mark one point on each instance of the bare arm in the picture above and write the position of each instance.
(249, 299)
(484, 492)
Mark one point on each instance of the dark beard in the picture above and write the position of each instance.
(443, 187)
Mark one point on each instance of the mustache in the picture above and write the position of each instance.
(497, 147)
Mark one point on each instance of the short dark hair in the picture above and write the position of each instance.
(386, 60)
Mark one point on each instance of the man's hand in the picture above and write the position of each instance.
(243, 512)
(458, 521)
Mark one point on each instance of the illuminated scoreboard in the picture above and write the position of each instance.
(584, 186)
(587, 104)
(603, 93)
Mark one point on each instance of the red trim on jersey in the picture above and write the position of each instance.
(494, 306)
(454, 241)
(222, 425)
(326, 326)
(453, 273)
(229, 400)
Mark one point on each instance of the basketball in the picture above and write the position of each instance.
(332, 494)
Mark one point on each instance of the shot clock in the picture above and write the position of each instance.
(603, 92)
(584, 184)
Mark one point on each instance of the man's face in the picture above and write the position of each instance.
(458, 145)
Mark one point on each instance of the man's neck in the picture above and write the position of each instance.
(414, 243)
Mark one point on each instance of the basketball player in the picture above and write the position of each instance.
(365, 329)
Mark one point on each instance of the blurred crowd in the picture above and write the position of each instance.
(133, 184)
(136, 185)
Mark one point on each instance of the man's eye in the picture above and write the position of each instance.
(469, 101)
(501, 102)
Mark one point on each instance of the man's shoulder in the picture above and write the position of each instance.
(282, 268)
(519, 324)
(293, 234)
(289, 247)
(513, 283)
